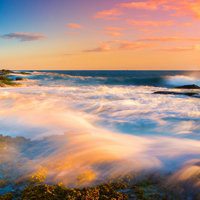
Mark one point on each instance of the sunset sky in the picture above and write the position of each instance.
(100, 34)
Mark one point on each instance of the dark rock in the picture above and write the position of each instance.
(188, 87)
(25, 73)
(19, 78)
(176, 93)
(5, 72)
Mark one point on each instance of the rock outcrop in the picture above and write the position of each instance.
(188, 87)
(176, 93)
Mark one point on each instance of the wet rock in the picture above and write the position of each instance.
(5, 72)
(176, 93)
(25, 73)
(19, 79)
(188, 87)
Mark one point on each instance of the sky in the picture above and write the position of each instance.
(100, 34)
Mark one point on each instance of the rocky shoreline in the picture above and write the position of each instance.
(4, 79)
(152, 186)
(11, 78)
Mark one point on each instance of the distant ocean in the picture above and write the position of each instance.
(102, 122)
(121, 77)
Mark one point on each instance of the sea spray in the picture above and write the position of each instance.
(83, 135)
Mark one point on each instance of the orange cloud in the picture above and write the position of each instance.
(109, 14)
(180, 7)
(178, 49)
(146, 5)
(132, 45)
(114, 31)
(113, 28)
(102, 48)
(74, 26)
(170, 39)
(151, 23)
(184, 7)
(195, 8)
(119, 45)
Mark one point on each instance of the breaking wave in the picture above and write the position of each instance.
(180, 80)
(84, 134)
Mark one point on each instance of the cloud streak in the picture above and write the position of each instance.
(24, 36)
(183, 7)
(147, 43)
(146, 5)
(114, 31)
(151, 23)
(102, 48)
(117, 45)
(170, 39)
(74, 26)
(179, 49)
(111, 14)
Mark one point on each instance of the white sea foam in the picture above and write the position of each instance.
(180, 80)
(88, 126)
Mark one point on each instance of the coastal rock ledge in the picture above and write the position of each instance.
(188, 87)
(186, 93)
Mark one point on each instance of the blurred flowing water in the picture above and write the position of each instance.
(98, 124)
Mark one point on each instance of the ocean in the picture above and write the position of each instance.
(119, 77)
(101, 124)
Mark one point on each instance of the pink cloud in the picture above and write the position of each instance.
(132, 45)
(191, 8)
(109, 14)
(146, 43)
(119, 45)
(146, 5)
(170, 39)
(183, 7)
(195, 8)
(178, 49)
(74, 26)
(143, 23)
(179, 7)
(113, 28)
(114, 31)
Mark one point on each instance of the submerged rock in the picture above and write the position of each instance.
(19, 79)
(188, 87)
